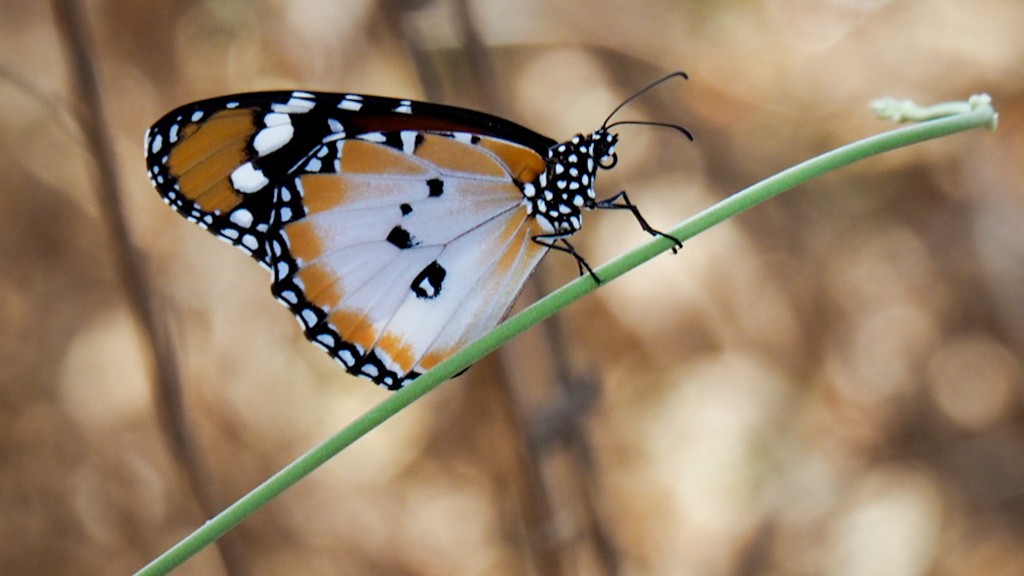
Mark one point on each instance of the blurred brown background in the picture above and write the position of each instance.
(828, 384)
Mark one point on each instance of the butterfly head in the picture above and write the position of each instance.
(603, 148)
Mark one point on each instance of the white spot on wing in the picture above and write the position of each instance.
(277, 119)
(289, 297)
(156, 144)
(404, 107)
(346, 358)
(352, 102)
(299, 103)
(241, 217)
(279, 131)
(408, 141)
(307, 317)
(337, 130)
(247, 178)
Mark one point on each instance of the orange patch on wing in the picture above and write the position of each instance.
(354, 328)
(208, 184)
(431, 359)
(304, 241)
(206, 155)
(320, 286)
(359, 157)
(396, 349)
(524, 164)
(226, 128)
(454, 156)
(221, 196)
(516, 237)
(495, 190)
(322, 192)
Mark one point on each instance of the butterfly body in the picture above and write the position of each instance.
(395, 231)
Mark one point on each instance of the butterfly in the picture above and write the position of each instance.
(395, 231)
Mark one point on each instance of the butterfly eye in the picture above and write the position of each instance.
(608, 161)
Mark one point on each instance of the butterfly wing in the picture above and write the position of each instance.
(395, 231)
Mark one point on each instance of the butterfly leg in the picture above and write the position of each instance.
(621, 201)
(552, 242)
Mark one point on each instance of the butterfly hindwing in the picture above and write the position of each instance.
(395, 231)
(405, 251)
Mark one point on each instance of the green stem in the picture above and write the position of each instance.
(982, 116)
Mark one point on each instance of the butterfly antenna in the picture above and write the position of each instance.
(642, 91)
(675, 127)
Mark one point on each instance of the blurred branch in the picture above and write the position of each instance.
(394, 13)
(556, 425)
(50, 101)
(91, 116)
(481, 64)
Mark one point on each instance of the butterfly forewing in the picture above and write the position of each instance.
(395, 231)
